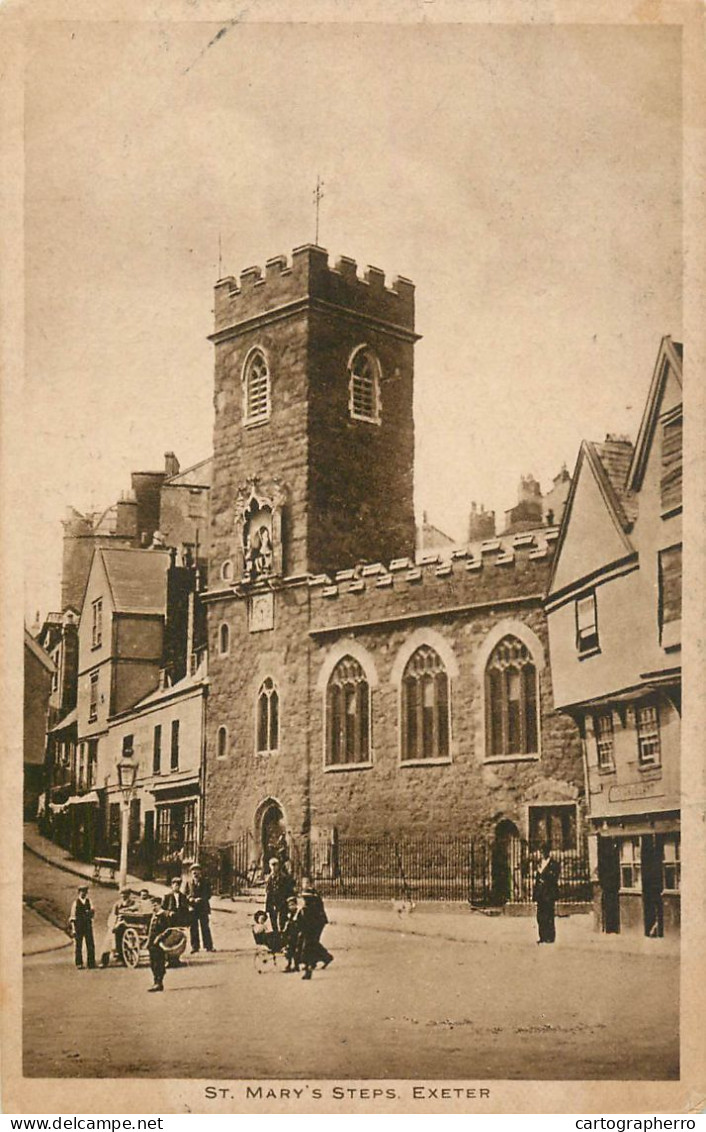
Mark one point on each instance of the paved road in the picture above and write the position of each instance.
(390, 1007)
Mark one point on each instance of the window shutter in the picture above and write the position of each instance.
(670, 584)
(670, 485)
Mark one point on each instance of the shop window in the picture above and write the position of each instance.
(553, 825)
(511, 701)
(671, 479)
(605, 739)
(256, 391)
(671, 863)
(630, 865)
(648, 736)
(157, 749)
(364, 386)
(93, 698)
(586, 624)
(267, 718)
(425, 707)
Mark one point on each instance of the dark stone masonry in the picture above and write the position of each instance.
(312, 562)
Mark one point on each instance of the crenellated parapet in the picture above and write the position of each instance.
(308, 276)
(494, 572)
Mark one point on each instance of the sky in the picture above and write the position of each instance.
(527, 179)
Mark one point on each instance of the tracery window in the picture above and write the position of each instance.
(267, 718)
(425, 707)
(511, 700)
(347, 714)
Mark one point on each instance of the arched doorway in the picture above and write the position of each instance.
(505, 861)
(272, 833)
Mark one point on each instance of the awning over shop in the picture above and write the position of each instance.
(83, 799)
(638, 825)
(187, 789)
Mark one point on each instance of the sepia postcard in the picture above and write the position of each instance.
(353, 430)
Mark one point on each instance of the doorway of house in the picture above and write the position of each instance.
(505, 857)
(652, 885)
(609, 880)
(273, 835)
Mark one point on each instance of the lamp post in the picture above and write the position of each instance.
(127, 774)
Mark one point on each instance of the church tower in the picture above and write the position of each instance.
(314, 432)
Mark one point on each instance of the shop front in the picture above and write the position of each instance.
(175, 823)
(639, 874)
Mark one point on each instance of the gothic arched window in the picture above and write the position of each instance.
(511, 700)
(267, 718)
(256, 389)
(364, 386)
(347, 714)
(425, 707)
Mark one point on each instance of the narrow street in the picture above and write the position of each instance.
(391, 1006)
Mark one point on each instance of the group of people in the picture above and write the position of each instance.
(187, 907)
(296, 921)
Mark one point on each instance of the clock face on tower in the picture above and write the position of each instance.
(261, 612)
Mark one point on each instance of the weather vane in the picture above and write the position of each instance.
(318, 194)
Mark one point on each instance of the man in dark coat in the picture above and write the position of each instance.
(177, 904)
(311, 921)
(81, 925)
(158, 959)
(546, 891)
(198, 895)
(278, 888)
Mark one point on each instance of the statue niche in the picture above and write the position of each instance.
(259, 516)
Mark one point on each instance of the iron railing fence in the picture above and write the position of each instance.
(481, 872)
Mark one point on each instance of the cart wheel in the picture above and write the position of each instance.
(130, 947)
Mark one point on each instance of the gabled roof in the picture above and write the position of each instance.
(137, 578)
(669, 358)
(589, 462)
(38, 652)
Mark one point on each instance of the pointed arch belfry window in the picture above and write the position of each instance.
(347, 714)
(425, 707)
(511, 701)
(256, 389)
(364, 386)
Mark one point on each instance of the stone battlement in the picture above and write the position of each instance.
(308, 276)
(499, 554)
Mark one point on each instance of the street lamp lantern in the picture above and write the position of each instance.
(127, 776)
(127, 773)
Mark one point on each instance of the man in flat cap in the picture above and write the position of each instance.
(198, 895)
(81, 926)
